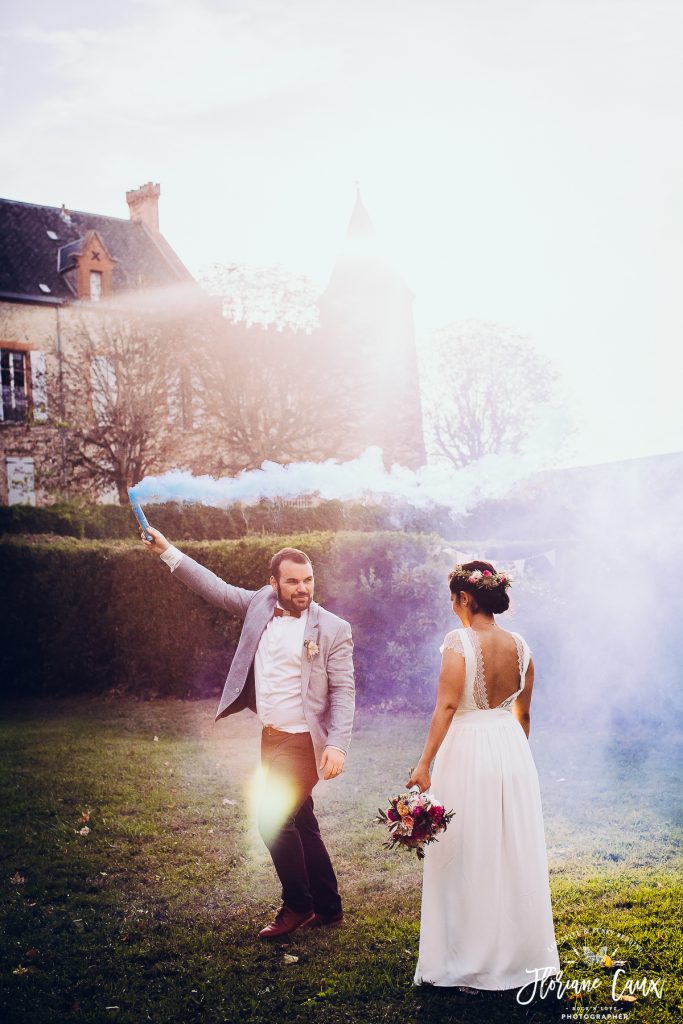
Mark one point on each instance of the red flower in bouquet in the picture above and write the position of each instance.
(414, 820)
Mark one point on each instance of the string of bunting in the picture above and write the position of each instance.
(516, 567)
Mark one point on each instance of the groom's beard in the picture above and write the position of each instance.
(297, 605)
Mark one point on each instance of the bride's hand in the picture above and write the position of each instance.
(420, 778)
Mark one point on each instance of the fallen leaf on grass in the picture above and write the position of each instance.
(288, 958)
(627, 999)
(20, 970)
(85, 831)
(230, 803)
(156, 740)
(85, 817)
(32, 953)
(18, 879)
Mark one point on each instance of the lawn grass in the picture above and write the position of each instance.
(153, 915)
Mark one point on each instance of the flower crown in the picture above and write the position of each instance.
(479, 577)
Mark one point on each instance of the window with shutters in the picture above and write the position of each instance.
(103, 388)
(14, 385)
(38, 386)
(20, 481)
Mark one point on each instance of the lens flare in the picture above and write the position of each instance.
(272, 799)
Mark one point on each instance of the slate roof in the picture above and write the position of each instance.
(29, 256)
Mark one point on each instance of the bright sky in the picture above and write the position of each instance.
(522, 161)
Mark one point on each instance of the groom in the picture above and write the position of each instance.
(294, 668)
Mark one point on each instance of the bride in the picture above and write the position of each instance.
(486, 919)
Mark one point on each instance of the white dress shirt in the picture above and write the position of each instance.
(277, 671)
(277, 666)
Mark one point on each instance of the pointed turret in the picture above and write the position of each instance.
(359, 251)
(366, 317)
(360, 224)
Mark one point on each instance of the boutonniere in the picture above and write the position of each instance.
(311, 649)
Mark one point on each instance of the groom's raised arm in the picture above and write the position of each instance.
(198, 578)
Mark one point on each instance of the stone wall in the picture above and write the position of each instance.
(45, 328)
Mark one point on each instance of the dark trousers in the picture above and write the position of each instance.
(289, 827)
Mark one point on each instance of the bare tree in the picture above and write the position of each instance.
(269, 390)
(272, 395)
(118, 379)
(484, 388)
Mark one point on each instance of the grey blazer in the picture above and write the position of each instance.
(327, 681)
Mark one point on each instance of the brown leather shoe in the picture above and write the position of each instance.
(320, 920)
(286, 921)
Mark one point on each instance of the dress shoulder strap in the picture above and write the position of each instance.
(523, 657)
(472, 665)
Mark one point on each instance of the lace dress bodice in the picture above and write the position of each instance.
(475, 698)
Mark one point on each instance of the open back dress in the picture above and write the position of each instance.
(486, 918)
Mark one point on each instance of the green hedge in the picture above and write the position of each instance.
(510, 518)
(91, 616)
(185, 521)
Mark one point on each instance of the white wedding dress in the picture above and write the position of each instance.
(486, 919)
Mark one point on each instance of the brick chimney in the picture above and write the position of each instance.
(143, 204)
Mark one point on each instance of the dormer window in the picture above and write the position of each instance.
(88, 267)
(95, 285)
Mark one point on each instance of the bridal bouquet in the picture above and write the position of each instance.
(414, 820)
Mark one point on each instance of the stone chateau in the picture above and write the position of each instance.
(58, 267)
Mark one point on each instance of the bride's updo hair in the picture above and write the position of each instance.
(489, 596)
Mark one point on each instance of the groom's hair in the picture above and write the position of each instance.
(292, 555)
